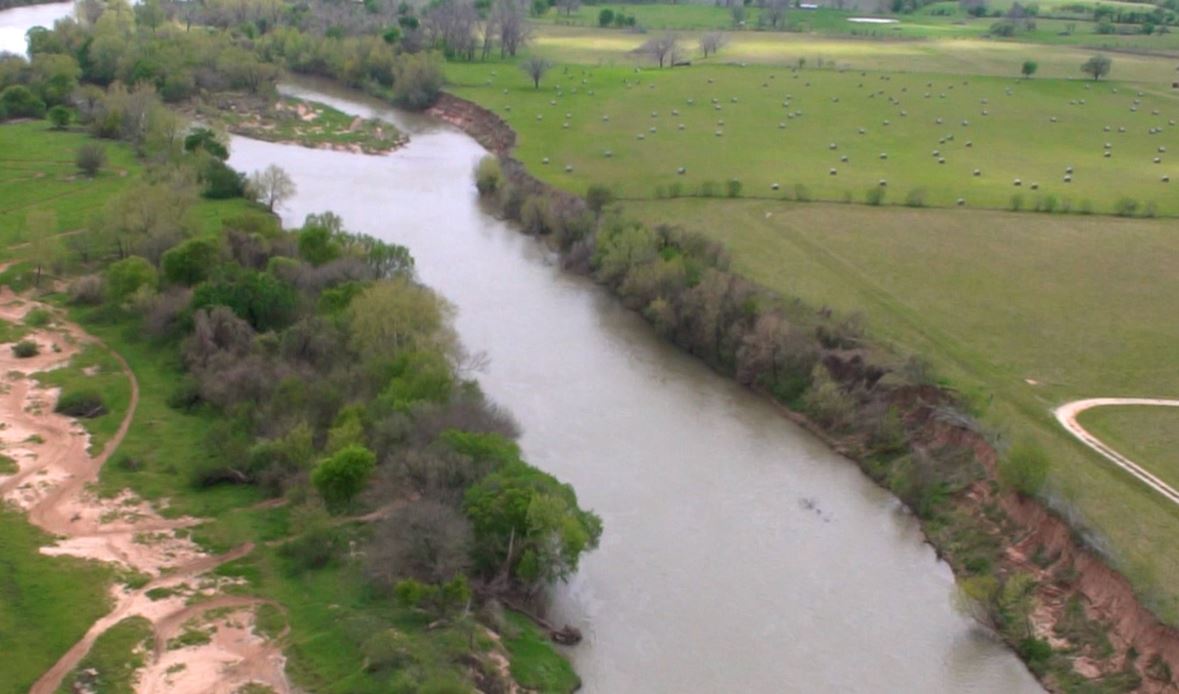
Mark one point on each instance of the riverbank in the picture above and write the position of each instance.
(288, 120)
(1083, 612)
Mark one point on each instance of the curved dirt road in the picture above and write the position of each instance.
(1067, 415)
(52, 486)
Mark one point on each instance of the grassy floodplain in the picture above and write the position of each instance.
(1141, 433)
(1019, 311)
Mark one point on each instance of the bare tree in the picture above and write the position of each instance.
(424, 540)
(452, 23)
(508, 17)
(568, 6)
(664, 49)
(535, 67)
(774, 13)
(712, 42)
(271, 186)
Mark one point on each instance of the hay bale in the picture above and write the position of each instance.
(831, 172)
(544, 161)
(978, 172)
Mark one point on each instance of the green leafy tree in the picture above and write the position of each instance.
(60, 117)
(260, 298)
(605, 17)
(1097, 67)
(17, 101)
(340, 477)
(126, 276)
(1029, 68)
(191, 262)
(528, 526)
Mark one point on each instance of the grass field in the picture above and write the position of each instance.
(1077, 305)
(922, 134)
(37, 171)
(1140, 433)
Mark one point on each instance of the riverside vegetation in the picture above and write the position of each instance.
(874, 402)
(306, 365)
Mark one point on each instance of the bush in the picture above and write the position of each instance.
(535, 216)
(125, 277)
(190, 262)
(90, 158)
(708, 189)
(221, 181)
(25, 349)
(60, 117)
(801, 193)
(875, 196)
(488, 175)
(84, 403)
(597, 196)
(87, 290)
(417, 81)
(1126, 207)
(1046, 203)
(1025, 468)
(915, 198)
(733, 188)
(1016, 202)
(38, 317)
(340, 477)
(605, 17)
(18, 102)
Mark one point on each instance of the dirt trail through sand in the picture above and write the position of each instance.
(1067, 415)
(53, 484)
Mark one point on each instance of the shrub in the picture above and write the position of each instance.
(190, 262)
(597, 196)
(874, 196)
(340, 477)
(1126, 207)
(605, 17)
(1046, 203)
(417, 81)
(18, 102)
(1025, 468)
(1016, 202)
(535, 216)
(25, 349)
(90, 158)
(708, 189)
(675, 190)
(801, 193)
(488, 175)
(733, 188)
(60, 117)
(38, 317)
(915, 198)
(826, 401)
(125, 277)
(221, 181)
(87, 290)
(83, 403)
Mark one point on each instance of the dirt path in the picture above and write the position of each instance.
(1067, 415)
(53, 484)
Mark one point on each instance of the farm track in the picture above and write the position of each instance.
(1067, 415)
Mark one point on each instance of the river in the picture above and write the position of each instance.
(739, 553)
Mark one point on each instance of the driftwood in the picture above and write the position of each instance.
(566, 635)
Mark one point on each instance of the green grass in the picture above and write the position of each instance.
(1147, 435)
(319, 125)
(116, 656)
(46, 603)
(1079, 305)
(94, 369)
(765, 142)
(534, 664)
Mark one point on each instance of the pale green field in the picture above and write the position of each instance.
(778, 126)
(1080, 306)
(1140, 433)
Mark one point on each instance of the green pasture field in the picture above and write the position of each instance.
(1146, 435)
(774, 125)
(37, 171)
(1020, 312)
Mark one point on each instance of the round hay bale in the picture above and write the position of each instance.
(774, 186)
(568, 168)
(1017, 182)
(544, 161)
(961, 202)
(978, 172)
(831, 172)
(884, 155)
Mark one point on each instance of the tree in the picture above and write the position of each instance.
(191, 262)
(340, 477)
(125, 277)
(271, 186)
(528, 526)
(44, 248)
(737, 11)
(567, 6)
(417, 80)
(535, 67)
(1098, 66)
(1029, 68)
(605, 17)
(60, 116)
(508, 17)
(397, 315)
(18, 102)
(597, 196)
(425, 540)
(207, 140)
(711, 42)
(774, 13)
(663, 49)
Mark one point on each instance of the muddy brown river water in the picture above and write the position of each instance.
(739, 553)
